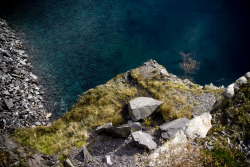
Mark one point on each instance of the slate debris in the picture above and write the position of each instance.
(21, 98)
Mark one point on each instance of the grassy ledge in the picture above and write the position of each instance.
(106, 103)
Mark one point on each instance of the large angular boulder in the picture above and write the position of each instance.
(142, 107)
(143, 140)
(169, 129)
(199, 126)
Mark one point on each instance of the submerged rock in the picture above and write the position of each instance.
(143, 107)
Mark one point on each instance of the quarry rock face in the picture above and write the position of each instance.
(169, 129)
(142, 107)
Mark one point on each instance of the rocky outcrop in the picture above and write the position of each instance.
(197, 127)
(230, 90)
(21, 97)
(169, 129)
(142, 107)
(144, 140)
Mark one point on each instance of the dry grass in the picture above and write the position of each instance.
(95, 107)
(171, 94)
(176, 155)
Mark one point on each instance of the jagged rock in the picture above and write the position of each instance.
(35, 161)
(107, 160)
(68, 163)
(247, 75)
(169, 129)
(143, 140)
(199, 126)
(229, 92)
(9, 103)
(142, 107)
(135, 125)
(241, 80)
(102, 128)
(164, 72)
(86, 155)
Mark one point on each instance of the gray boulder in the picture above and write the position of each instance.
(229, 92)
(247, 75)
(143, 140)
(169, 129)
(142, 107)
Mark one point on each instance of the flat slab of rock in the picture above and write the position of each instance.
(143, 140)
(120, 131)
(102, 128)
(142, 107)
(169, 129)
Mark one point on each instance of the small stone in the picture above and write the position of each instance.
(107, 160)
(86, 155)
(68, 163)
(38, 123)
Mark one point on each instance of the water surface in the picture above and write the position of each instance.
(76, 45)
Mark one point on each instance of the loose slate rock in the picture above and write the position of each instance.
(142, 107)
(169, 129)
(102, 128)
(143, 140)
(120, 131)
(86, 155)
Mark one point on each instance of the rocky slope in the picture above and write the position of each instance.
(143, 117)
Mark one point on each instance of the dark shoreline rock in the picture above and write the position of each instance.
(21, 98)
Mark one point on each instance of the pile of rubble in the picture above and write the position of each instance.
(21, 101)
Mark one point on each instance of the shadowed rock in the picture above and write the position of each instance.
(142, 107)
(169, 129)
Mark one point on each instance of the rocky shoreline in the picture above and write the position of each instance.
(21, 97)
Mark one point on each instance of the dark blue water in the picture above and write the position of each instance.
(78, 44)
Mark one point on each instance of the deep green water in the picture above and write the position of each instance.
(76, 45)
